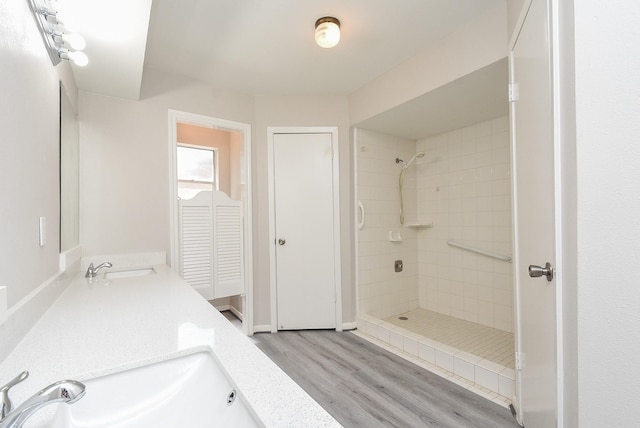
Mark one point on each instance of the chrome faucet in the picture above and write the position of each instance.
(93, 271)
(64, 391)
(5, 402)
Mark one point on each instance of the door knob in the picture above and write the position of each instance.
(282, 241)
(536, 271)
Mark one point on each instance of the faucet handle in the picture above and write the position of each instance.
(5, 402)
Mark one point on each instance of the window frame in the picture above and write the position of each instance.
(215, 181)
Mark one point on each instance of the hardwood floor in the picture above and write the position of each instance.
(362, 385)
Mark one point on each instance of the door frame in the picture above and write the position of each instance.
(271, 132)
(175, 117)
(560, 217)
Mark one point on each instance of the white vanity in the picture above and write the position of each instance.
(136, 330)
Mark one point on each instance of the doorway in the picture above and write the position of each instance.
(225, 156)
(304, 229)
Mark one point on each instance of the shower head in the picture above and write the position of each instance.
(417, 155)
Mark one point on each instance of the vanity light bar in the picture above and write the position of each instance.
(59, 45)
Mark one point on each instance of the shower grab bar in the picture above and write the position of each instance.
(479, 251)
(361, 222)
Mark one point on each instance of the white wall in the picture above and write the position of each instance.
(29, 162)
(464, 187)
(124, 168)
(471, 47)
(237, 185)
(29, 189)
(382, 292)
(607, 103)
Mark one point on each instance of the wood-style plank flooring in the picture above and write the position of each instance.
(363, 385)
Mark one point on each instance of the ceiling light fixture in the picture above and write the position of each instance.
(327, 32)
(59, 42)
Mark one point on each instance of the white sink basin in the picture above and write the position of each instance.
(190, 391)
(128, 273)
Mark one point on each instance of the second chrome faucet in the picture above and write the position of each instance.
(93, 271)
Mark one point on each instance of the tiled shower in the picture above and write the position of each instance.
(459, 191)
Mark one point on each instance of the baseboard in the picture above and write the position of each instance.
(262, 329)
(267, 328)
(236, 312)
(231, 309)
(346, 326)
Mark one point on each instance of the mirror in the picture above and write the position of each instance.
(69, 174)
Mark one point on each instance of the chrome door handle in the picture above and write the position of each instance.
(537, 271)
(282, 241)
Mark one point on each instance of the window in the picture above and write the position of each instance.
(197, 170)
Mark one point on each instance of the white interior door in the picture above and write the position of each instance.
(304, 231)
(534, 211)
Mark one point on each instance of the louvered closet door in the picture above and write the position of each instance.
(211, 244)
(228, 266)
(196, 258)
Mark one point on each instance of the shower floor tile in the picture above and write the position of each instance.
(485, 342)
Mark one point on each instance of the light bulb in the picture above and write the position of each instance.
(75, 41)
(79, 58)
(327, 32)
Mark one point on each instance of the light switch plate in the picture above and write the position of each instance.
(43, 231)
(4, 310)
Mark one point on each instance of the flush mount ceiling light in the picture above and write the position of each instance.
(327, 32)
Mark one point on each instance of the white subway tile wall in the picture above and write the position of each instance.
(382, 291)
(464, 186)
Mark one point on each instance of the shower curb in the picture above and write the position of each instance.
(485, 378)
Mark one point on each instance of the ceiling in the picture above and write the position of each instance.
(116, 36)
(257, 47)
(477, 97)
(267, 46)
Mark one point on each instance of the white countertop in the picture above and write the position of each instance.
(96, 328)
